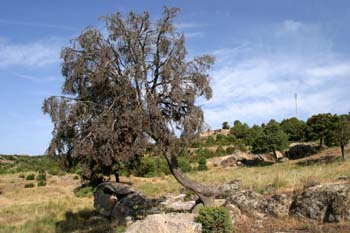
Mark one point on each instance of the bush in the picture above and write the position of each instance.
(184, 164)
(30, 185)
(21, 176)
(202, 164)
(76, 177)
(148, 167)
(214, 219)
(84, 192)
(30, 177)
(41, 176)
(41, 183)
(230, 150)
(220, 151)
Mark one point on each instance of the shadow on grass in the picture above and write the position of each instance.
(84, 221)
(322, 160)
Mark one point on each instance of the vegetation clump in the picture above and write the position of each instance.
(30, 177)
(84, 192)
(29, 185)
(214, 220)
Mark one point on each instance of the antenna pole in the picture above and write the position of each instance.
(296, 104)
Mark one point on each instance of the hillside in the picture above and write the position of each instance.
(55, 208)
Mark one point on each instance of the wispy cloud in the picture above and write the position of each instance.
(39, 79)
(256, 81)
(35, 24)
(33, 54)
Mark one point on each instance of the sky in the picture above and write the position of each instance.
(266, 52)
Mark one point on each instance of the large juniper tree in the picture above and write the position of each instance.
(127, 89)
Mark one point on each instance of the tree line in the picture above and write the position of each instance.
(329, 129)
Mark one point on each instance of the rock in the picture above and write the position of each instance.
(276, 205)
(325, 203)
(219, 202)
(260, 206)
(177, 204)
(301, 150)
(180, 206)
(135, 206)
(166, 223)
(235, 212)
(122, 204)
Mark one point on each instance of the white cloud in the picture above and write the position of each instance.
(340, 69)
(257, 80)
(34, 54)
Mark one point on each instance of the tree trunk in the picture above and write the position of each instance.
(116, 175)
(275, 156)
(205, 193)
(342, 151)
(321, 143)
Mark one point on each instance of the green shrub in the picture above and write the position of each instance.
(21, 176)
(204, 152)
(41, 176)
(84, 192)
(76, 177)
(202, 164)
(214, 219)
(162, 166)
(41, 183)
(30, 185)
(220, 151)
(30, 177)
(148, 167)
(230, 150)
(184, 164)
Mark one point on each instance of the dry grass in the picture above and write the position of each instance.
(52, 208)
(55, 208)
(282, 177)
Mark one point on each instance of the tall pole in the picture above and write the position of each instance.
(296, 104)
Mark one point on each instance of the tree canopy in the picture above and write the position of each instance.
(320, 125)
(272, 139)
(127, 90)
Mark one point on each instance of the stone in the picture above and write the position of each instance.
(180, 206)
(122, 204)
(166, 223)
(301, 150)
(325, 203)
(234, 211)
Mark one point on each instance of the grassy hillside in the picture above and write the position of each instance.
(21, 163)
(55, 208)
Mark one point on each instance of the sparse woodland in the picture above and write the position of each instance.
(128, 118)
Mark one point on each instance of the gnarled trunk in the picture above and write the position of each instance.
(205, 193)
(342, 151)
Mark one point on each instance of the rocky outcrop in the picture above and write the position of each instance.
(242, 158)
(166, 223)
(325, 203)
(301, 150)
(177, 204)
(121, 204)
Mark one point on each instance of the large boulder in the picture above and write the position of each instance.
(301, 150)
(120, 203)
(166, 223)
(259, 205)
(325, 203)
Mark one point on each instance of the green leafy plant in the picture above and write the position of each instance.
(30, 185)
(214, 220)
(202, 164)
(41, 183)
(30, 177)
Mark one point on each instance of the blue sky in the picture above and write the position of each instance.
(266, 51)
